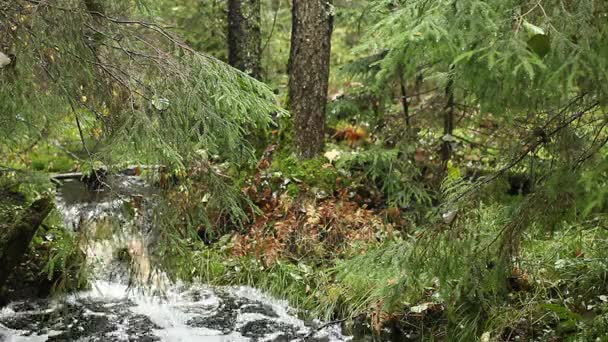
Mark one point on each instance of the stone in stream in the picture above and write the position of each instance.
(261, 328)
(223, 320)
(259, 308)
(71, 321)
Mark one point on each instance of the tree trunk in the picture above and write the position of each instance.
(245, 36)
(404, 100)
(448, 118)
(15, 239)
(312, 22)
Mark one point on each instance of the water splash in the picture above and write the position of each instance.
(113, 311)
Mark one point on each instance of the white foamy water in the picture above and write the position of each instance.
(113, 311)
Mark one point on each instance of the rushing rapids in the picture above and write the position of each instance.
(112, 310)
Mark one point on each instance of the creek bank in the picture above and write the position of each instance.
(115, 309)
(18, 228)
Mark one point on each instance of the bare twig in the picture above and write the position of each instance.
(314, 331)
(274, 22)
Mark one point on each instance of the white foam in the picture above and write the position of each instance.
(172, 311)
(11, 335)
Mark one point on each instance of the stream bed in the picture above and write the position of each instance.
(114, 311)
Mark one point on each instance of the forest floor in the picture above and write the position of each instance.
(358, 235)
(328, 241)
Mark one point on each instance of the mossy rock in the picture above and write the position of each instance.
(314, 173)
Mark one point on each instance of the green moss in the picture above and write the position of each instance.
(293, 190)
(52, 161)
(314, 173)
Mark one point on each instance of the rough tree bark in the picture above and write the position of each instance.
(245, 36)
(15, 239)
(312, 23)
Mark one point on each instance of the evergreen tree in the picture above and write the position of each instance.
(536, 66)
(309, 72)
(131, 90)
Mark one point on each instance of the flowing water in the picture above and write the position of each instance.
(114, 311)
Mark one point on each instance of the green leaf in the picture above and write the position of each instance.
(532, 29)
(160, 103)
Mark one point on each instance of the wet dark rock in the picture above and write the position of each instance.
(141, 326)
(223, 320)
(261, 309)
(99, 325)
(32, 322)
(260, 328)
(281, 338)
(93, 321)
(318, 339)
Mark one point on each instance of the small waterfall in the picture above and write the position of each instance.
(114, 311)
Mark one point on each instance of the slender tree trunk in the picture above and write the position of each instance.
(418, 87)
(245, 36)
(448, 118)
(404, 100)
(312, 23)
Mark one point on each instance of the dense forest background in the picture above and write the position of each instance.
(436, 169)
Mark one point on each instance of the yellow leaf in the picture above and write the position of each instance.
(96, 131)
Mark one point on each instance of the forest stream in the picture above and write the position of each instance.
(304, 170)
(115, 310)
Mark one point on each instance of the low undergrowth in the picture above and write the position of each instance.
(54, 263)
(461, 273)
(437, 285)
